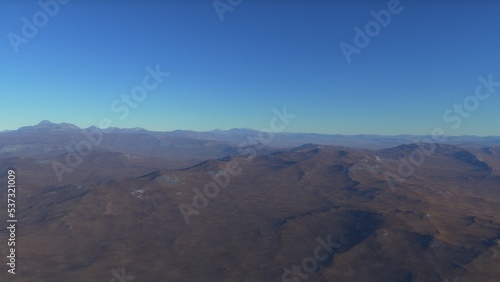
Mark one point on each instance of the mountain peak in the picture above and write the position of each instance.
(48, 125)
(45, 123)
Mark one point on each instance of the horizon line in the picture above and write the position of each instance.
(240, 128)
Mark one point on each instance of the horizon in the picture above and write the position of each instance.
(241, 128)
(194, 67)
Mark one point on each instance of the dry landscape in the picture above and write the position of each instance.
(303, 213)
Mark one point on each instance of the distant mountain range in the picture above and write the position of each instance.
(185, 142)
(163, 206)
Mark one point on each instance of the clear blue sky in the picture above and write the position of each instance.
(264, 54)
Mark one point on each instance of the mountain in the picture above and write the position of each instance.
(48, 133)
(46, 125)
(50, 139)
(307, 213)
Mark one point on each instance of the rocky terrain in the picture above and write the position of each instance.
(149, 207)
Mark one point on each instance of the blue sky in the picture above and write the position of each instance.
(263, 55)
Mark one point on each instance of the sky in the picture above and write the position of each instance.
(231, 62)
